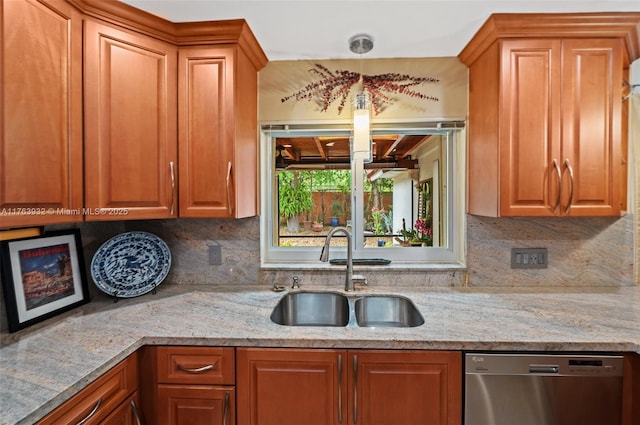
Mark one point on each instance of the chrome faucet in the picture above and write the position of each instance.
(350, 278)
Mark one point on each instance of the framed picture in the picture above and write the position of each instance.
(42, 276)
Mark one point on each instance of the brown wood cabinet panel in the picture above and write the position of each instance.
(99, 398)
(529, 126)
(217, 95)
(631, 389)
(195, 405)
(405, 387)
(592, 126)
(130, 119)
(206, 90)
(291, 386)
(294, 386)
(546, 128)
(128, 413)
(196, 365)
(40, 113)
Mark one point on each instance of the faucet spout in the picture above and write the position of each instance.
(324, 255)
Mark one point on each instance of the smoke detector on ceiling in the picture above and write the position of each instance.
(361, 44)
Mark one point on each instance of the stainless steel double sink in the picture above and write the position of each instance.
(308, 308)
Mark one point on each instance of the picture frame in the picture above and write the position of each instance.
(42, 276)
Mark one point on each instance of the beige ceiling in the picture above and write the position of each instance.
(320, 29)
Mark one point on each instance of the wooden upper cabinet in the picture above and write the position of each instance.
(217, 102)
(130, 125)
(40, 113)
(545, 127)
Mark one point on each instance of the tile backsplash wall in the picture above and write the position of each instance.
(581, 251)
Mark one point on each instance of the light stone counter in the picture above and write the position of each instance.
(44, 365)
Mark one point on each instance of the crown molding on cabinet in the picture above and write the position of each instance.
(234, 31)
(625, 25)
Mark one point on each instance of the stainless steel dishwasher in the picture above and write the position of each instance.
(541, 389)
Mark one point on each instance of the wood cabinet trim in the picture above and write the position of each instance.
(171, 358)
(111, 388)
(625, 25)
(231, 31)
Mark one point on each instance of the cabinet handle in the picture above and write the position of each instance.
(226, 409)
(355, 389)
(568, 165)
(339, 388)
(93, 412)
(173, 186)
(229, 188)
(196, 369)
(134, 410)
(559, 197)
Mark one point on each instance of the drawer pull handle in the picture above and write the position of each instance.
(93, 412)
(226, 409)
(195, 369)
(134, 410)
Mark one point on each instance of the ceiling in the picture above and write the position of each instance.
(320, 29)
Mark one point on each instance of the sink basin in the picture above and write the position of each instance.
(387, 311)
(312, 309)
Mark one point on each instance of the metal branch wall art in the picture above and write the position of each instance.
(336, 86)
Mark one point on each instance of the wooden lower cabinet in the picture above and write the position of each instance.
(357, 387)
(196, 404)
(188, 385)
(128, 413)
(631, 389)
(101, 399)
(291, 386)
(405, 387)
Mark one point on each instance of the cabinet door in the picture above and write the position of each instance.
(591, 127)
(291, 386)
(195, 405)
(217, 97)
(529, 128)
(40, 113)
(127, 413)
(206, 81)
(130, 125)
(100, 398)
(405, 387)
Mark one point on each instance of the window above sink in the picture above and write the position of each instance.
(416, 174)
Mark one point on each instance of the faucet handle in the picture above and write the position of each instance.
(296, 282)
(358, 278)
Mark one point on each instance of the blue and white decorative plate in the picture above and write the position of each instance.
(131, 264)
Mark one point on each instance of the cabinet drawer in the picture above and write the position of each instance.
(99, 398)
(196, 365)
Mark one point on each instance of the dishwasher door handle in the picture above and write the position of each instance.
(536, 368)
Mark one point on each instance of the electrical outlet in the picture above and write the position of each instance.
(215, 255)
(529, 258)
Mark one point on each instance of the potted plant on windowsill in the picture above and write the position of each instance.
(420, 235)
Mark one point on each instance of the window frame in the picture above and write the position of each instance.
(449, 257)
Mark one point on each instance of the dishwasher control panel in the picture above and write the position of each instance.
(543, 364)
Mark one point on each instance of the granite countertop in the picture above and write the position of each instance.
(44, 365)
